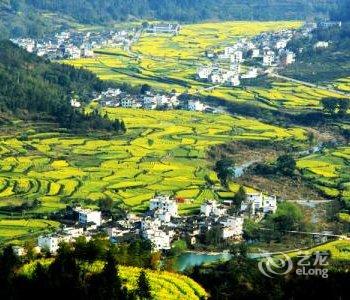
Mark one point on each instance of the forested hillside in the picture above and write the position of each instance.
(23, 17)
(31, 85)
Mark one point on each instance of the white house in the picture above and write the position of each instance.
(19, 251)
(255, 53)
(281, 44)
(259, 202)
(165, 204)
(234, 80)
(49, 242)
(287, 58)
(88, 216)
(203, 73)
(252, 73)
(149, 102)
(321, 44)
(127, 102)
(75, 103)
(232, 227)
(195, 105)
(216, 78)
(237, 57)
(211, 207)
(268, 58)
(161, 239)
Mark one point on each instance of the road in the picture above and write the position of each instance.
(310, 84)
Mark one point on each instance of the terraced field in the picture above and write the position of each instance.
(339, 250)
(342, 84)
(164, 285)
(170, 62)
(11, 229)
(162, 152)
(329, 172)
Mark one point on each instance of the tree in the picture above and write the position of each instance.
(112, 283)
(224, 169)
(122, 126)
(343, 106)
(287, 217)
(239, 197)
(143, 286)
(105, 204)
(286, 165)
(178, 247)
(330, 104)
(145, 88)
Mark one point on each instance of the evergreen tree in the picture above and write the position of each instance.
(143, 286)
(239, 197)
(122, 126)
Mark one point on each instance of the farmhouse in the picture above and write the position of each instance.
(203, 73)
(237, 57)
(212, 208)
(87, 216)
(254, 53)
(164, 28)
(195, 105)
(268, 58)
(321, 44)
(19, 251)
(252, 73)
(287, 57)
(232, 227)
(258, 202)
(75, 103)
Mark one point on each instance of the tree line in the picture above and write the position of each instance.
(23, 18)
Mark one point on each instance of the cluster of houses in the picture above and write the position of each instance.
(74, 44)
(149, 100)
(263, 52)
(161, 224)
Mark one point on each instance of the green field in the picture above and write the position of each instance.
(11, 229)
(162, 152)
(342, 84)
(170, 62)
(329, 172)
(164, 285)
(339, 250)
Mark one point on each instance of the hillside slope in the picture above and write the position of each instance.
(25, 17)
(31, 85)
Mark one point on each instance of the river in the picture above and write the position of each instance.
(191, 259)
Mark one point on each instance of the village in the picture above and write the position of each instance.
(73, 44)
(250, 58)
(149, 100)
(161, 224)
